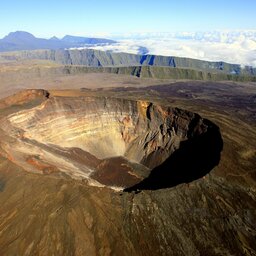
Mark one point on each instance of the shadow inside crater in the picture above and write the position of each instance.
(195, 158)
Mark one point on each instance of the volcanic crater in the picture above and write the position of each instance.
(107, 141)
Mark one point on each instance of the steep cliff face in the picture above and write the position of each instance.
(101, 128)
(95, 58)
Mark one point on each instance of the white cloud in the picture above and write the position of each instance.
(229, 46)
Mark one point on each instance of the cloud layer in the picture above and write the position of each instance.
(231, 46)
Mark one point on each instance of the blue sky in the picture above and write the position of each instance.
(47, 18)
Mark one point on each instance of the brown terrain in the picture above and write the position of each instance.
(105, 164)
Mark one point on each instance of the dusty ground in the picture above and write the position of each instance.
(15, 76)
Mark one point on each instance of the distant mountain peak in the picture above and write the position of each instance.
(54, 38)
(85, 40)
(21, 40)
(19, 35)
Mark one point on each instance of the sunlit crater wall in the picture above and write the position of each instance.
(108, 127)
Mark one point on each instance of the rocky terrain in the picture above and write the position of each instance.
(127, 169)
(190, 185)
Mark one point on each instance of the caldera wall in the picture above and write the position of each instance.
(103, 128)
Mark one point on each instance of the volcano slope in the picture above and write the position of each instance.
(66, 157)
